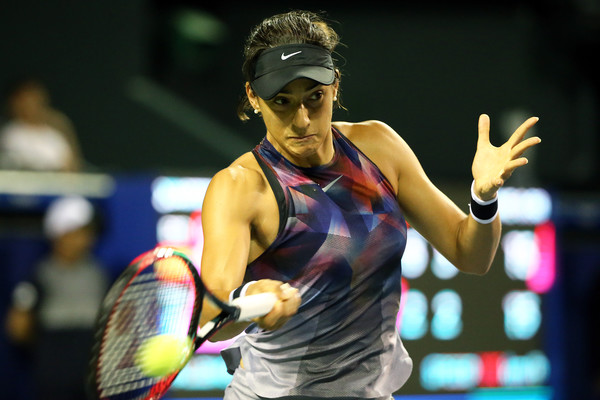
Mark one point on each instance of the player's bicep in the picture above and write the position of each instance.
(227, 214)
(426, 208)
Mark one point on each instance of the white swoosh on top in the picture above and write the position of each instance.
(285, 57)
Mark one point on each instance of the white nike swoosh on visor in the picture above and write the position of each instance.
(285, 57)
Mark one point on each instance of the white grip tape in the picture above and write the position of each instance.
(255, 305)
(206, 329)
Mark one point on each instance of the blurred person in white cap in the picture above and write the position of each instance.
(53, 313)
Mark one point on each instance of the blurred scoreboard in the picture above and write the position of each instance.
(469, 332)
(465, 333)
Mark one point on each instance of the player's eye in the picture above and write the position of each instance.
(317, 95)
(315, 98)
(281, 100)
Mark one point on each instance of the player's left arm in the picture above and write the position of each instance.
(466, 243)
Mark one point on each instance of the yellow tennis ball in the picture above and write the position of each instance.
(172, 270)
(164, 354)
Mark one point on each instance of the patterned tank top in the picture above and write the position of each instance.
(340, 242)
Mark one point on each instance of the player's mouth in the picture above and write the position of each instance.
(302, 139)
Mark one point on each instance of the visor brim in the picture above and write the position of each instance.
(268, 85)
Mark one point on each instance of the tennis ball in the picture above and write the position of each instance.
(172, 270)
(164, 354)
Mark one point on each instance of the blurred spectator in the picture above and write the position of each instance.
(54, 313)
(36, 136)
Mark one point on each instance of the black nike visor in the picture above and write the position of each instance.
(278, 66)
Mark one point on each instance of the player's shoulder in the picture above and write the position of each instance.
(359, 130)
(242, 174)
(370, 133)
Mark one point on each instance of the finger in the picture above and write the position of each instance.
(287, 292)
(484, 130)
(273, 320)
(519, 134)
(270, 320)
(293, 303)
(282, 290)
(511, 166)
(281, 312)
(290, 300)
(520, 148)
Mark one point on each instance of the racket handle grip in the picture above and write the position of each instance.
(255, 305)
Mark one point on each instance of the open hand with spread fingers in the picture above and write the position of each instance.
(492, 165)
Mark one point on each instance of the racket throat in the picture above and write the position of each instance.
(206, 331)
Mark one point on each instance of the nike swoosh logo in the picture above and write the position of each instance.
(285, 57)
(326, 188)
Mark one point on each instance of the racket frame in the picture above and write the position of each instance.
(112, 300)
(197, 334)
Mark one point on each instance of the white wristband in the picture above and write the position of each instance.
(240, 292)
(483, 211)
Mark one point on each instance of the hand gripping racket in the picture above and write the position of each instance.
(159, 293)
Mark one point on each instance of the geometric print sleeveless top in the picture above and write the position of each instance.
(340, 242)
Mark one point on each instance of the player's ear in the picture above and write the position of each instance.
(252, 97)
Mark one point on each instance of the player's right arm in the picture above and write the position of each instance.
(232, 210)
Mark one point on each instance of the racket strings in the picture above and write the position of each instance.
(131, 323)
(158, 300)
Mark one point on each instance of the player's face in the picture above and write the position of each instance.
(298, 121)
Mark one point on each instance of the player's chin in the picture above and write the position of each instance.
(304, 151)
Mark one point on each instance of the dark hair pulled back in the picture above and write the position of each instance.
(289, 28)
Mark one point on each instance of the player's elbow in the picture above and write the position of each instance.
(480, 270)
(475, 268)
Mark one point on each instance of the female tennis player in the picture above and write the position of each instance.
(317, 213)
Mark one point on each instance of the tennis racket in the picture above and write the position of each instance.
(159, 293)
